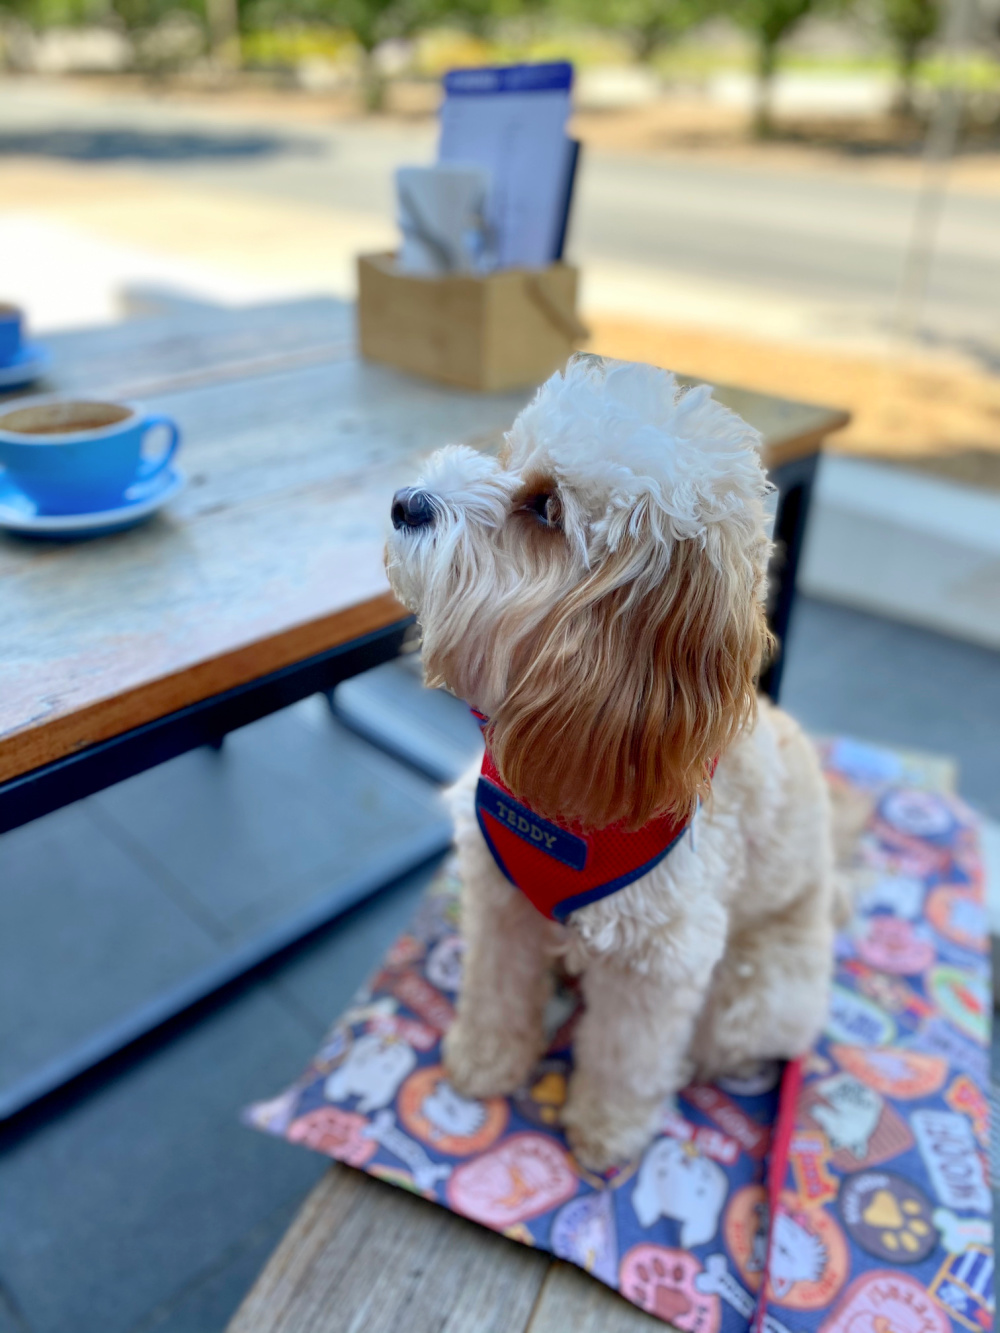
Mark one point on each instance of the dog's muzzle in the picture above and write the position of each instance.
(412, 509)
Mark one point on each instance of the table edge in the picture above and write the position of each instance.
(804, 443)
(43, 742)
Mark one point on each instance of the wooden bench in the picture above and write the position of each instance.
(365, 1257)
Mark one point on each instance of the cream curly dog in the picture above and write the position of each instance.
(597, 594)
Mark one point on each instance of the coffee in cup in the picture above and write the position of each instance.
(81, 456)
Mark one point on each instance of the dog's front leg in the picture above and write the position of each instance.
(631, 1048)
(498, 1034)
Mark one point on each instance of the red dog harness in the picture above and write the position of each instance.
(559, 867)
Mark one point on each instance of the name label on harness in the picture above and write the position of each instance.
(531, 828)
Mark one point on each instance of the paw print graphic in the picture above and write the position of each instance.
(901, 1226)
(888, 1216)
(661, 1281)
(658, 1291)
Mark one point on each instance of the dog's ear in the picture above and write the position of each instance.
(618, 705)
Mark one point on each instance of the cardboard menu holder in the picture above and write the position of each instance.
(502, 330)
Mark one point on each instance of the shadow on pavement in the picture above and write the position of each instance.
(114, 145)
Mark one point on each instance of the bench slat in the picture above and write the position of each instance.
(573, 1302)
(365, 1257)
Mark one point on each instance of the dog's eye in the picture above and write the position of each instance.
(546, 508)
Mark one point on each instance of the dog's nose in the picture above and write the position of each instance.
(412, 509)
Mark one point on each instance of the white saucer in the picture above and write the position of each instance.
(19, 514)
(30, 362)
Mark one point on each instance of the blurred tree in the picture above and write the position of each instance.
(480, 17)
(223, 21)
(165, 34)
(55, 13)
(769, 22)
(371, 22)
(910, 24)
(139, 14)
(134, 17)
(647, 25)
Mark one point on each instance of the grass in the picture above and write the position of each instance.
(289, 46)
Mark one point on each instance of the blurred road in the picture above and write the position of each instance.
(814, 253)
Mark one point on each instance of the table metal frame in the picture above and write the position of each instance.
(794, 481)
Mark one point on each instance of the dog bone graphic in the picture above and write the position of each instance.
(425, 1172)
(718, 1281)
(772, 1325)
(958, 1233)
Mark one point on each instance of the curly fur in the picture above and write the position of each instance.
(598, 592)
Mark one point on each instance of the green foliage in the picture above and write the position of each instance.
(140, 15)
(375, 21)
(770, 21)
(55, 13)
(647, 25)
(479, 17)
(911, 23)
(371, 22)
(132, 15)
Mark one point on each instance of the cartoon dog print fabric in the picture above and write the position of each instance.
(885, 1188)
(676, 1181)
(857, 1201)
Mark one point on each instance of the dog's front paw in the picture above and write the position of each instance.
(602, 1134)
(486, 1064)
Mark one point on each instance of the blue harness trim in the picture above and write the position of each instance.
(613, 885)
(529, 827)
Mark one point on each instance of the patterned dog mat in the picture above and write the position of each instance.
(848, 1193)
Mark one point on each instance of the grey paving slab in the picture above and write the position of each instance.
(85, 934)
(884, 681)
(113, 1209)
(10, 1318)
(429, 729)
(324, 974)
(207, 1305)
(284, 810)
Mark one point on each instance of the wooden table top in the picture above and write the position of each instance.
(293, 449)
(365, 1255)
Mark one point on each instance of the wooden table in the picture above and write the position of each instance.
(261, 583)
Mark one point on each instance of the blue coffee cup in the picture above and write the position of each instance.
(83, 457)
(11, 332)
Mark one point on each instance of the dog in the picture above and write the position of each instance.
(596, 593)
